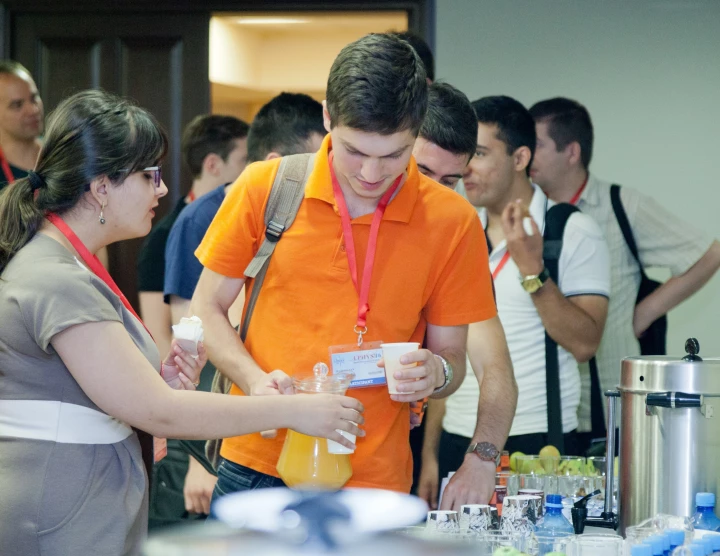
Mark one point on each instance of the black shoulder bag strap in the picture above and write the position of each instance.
(555, 220)
(624, 224)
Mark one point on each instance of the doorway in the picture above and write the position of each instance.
(255, 56)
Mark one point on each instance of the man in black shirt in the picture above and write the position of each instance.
(21, 122)
(215, 149)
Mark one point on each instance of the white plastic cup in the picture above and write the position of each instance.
(391, 356)
(336, 448)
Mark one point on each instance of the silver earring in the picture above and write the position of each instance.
(102, 218)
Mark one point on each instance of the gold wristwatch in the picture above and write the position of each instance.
(533, 283)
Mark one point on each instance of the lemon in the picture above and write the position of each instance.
(549, 451)
(513, 460)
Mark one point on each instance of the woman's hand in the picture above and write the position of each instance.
(324, 414)
(181, 370)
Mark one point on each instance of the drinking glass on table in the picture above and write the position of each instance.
(442, 522)
(597, 545)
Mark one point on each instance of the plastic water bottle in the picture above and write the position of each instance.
(677, 538)
(554, 523)
(705, 517)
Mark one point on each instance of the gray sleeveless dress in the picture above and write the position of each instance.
(59, 498)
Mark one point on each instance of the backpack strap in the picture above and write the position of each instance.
(624, 223)
(555, 221)
(286, 194)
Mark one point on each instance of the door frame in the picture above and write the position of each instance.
(421, 13)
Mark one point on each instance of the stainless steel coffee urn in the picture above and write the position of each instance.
(669, 434)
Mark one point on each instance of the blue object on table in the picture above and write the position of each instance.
(553, 524)
(656, 542)
(641, 550)
(698, 548)
(677, 538)
(705, 517)
(709, 544)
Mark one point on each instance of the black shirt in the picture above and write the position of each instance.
(151, 259)
(16, 172)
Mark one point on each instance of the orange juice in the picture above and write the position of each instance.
(305, 463)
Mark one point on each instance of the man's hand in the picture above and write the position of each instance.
(271, 384)
(526, 250)
(473, 483)
(420, 381)
(428, 483)
(198, 489)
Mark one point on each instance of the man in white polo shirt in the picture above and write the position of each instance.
(561, 168)
(573, 311)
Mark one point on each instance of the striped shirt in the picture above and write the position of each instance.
(663, 240)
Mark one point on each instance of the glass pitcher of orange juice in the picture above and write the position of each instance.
(305, 462)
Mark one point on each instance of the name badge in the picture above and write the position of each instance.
(361, 361)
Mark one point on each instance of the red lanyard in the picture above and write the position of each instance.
(501, 265)
(92, 261)
(576, 197)
(6, 168)
(364, 291)
(191, 196)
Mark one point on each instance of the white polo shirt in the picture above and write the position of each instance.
(584, 269)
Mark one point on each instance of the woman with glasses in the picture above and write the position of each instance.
(78, 370)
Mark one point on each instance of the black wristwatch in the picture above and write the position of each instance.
(486, 451)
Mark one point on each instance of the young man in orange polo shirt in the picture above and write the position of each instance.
(429, 275)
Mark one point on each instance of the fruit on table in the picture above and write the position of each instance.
(513, 460)
(549, 451)
(571, 467)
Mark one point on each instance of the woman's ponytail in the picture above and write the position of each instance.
(20, 219)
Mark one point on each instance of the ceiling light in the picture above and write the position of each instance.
(269, 21)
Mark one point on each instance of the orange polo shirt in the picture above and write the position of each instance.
(431, 266)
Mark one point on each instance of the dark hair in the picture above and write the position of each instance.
(208, 134)
(90, 134)
(423, 50)
(450, 121)
(568, 121)
(12, 67)
(284, 126)
(377, 84)
(516, 127)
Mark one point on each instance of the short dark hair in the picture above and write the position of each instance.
(377, 84)
(208, 134)
(284, 126)
(568, 121)
(12, 67)
(450, 121)
(516, 127)
(423, 50)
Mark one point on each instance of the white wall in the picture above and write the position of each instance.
(649, 73)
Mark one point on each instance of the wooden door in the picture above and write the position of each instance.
(160, 60)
